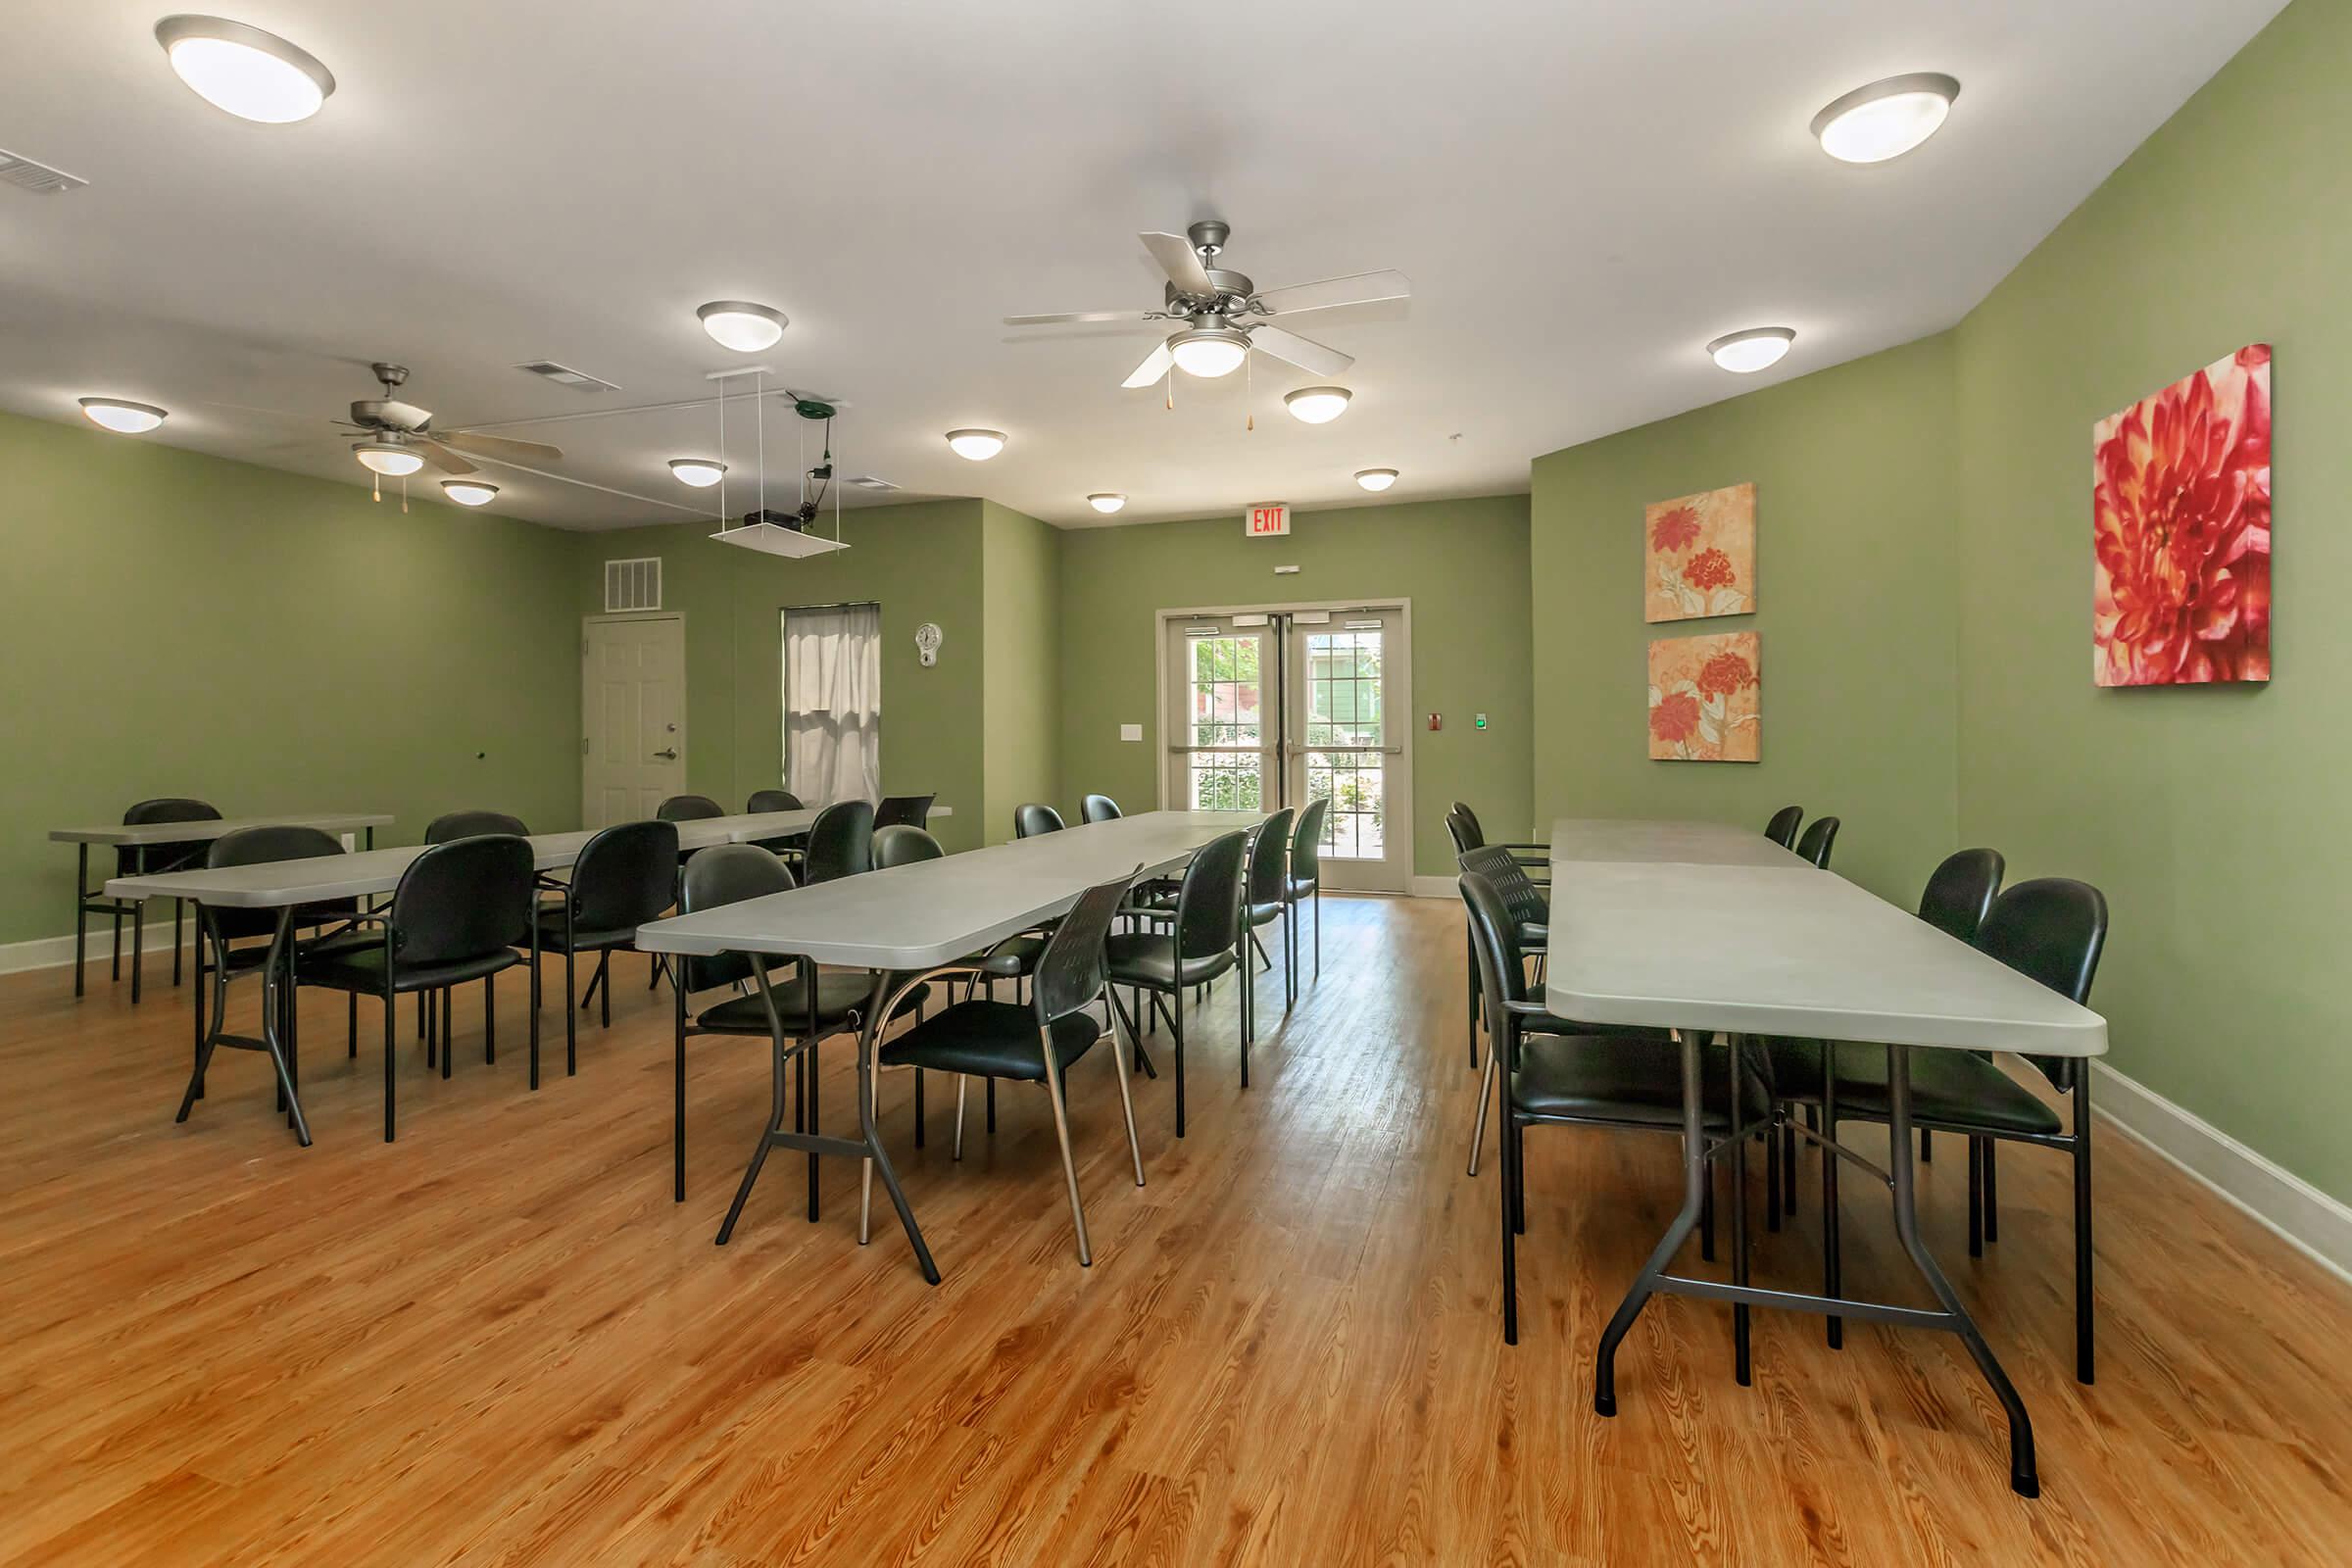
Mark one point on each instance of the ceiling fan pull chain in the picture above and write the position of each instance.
(380, 489)
(404, 495)
(1249, 391)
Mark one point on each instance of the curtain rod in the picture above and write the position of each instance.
(853, 603)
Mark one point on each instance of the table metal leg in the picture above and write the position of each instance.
(1741, 1368)
(1646, 1282)
(276, 1031)
(82, 912)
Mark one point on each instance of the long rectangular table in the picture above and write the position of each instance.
(130, 835)
(1704, 929)
(914, 920)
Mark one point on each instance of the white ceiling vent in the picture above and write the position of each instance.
(633, 584)
(867, 481)
(25, 174)
(566, 375)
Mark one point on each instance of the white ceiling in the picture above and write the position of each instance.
(1582, 192)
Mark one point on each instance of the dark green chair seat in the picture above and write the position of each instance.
(1149, 960)
(991, 1040)
(362, 968)
(839, 993)
(1953, 1087)
(1624, 1079)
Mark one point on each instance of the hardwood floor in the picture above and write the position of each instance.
(497, 1340)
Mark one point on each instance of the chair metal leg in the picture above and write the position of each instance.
(536, 984)
(82, 915)
(138, 947)
(176, 911)
(1478, 1129)
(957, 1150)
(1069, 1168)
(1992, 1203)
(1976, 1195)
(1772, 1168)
(2085, 1356)
(604, 999)
(489, 1019)
(1832, 1261)
(1176, 1032)
(1318, 928)
(1119, 1070)
(449, 1032)
(1927, 1147)
(1470, 971)
(572, 1018)
(918, 1108)
(1249, 988)
(390, 999)
(1743, 1367)
(352, 997)
(114, 969)
(677, 1110)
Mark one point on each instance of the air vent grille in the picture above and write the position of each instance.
(25, 174)
(867, 481)
(566, 375)
(633, 584)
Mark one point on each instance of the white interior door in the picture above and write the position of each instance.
(633, 716)
(1346, 679)
(1222, 713)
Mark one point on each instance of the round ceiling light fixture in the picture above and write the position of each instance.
(123, 418)
(468, 492)
(1209, 351)
(1106, 502)
(387, 458)
(977, 445)
(700, 472)
(1376, 479)
(741, 326)
(1317, 405)
(248, 72)
(1756, 349)
(1887, 119)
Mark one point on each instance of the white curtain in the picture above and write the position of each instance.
(833, 704)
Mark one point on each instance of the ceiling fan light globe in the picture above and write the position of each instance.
(1210, 352)
(1106, 502)
(1317, 405)
(123, 418)
(700, 472)
(243, 71)
(384, 458)
(977, 446)
(1886, 119)
(742, 325)
(1376, 479)
(468, 492)
(1757, 348)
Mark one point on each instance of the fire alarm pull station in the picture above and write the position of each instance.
(1437, 720)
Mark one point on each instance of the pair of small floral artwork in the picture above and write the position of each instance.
(1705, 692)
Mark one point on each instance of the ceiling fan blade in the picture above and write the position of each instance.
(1060, 317)
(1156, 365)
(440, 457)
(505, 448)
(1177, 258)
(1359, 288)
(1304, 352)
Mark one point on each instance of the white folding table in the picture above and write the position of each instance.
(913, 922)
(1703, 929)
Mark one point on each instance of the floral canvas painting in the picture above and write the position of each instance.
(2180, 530)
(1705, 697)
(1700, 555)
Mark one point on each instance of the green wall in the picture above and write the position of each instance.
(1854, 473)
(922, 561)
(2208, 815)
(268, 642)
(1464, 565)
(1020, 579)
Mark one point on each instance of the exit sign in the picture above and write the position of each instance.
(1266, 522)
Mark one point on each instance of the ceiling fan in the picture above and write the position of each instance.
(401, 438)
(1224, 315)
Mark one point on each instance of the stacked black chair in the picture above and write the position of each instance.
(1265, 901)
(1306, 871)
(624, 877)
(447, 828)
(790, 845)
(148, 860)
(1781, 829)
(841, 841)
(1462, 826)
(1203, 941)
(688, 808)
(904, 810)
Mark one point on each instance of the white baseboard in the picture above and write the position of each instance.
(2306, 1218)
(1434, 886)
(50, 952)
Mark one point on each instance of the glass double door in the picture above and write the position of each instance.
(1286, 707)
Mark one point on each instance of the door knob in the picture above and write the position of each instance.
(668, 755)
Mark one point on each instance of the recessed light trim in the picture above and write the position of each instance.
(387, 458)
(979, 446)
(700, 472)
(1757, 348)
(243, 71)
(123, 418)
(1376, 479)
(468, 492)
(741, 326)
(1317, 405)
(1887, 119)
(1106, 502)
(1209, 351)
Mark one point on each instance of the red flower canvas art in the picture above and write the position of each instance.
(1700, 555)
(2180, 530)
(1705, 697)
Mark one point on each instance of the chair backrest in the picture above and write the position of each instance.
(1306, 845)
(772, 801)
(1960, 892)
(1817, 841)
(1781, 829)
(904, 810)
(727, 874)
(1270, 858)
(1099, 808)
(137, 860)
(257, 846)
(1493, 937)
(1461, 824)
(901, 845)
(1029, 819)
(462, 900)
(841, 841)
(450, 826)
(1521, 898)
(2051, 929)
(1208, 900)
(625, 875)
(1071, 971)
(688, 808)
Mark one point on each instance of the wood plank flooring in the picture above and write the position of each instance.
(497, 1340)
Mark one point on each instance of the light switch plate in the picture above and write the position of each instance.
(1130, 732)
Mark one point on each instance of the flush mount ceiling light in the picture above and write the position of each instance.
(123, 418)
(1757, 348)
(1887, 119)
(1106, 502)
(1376, 479)
(700, 472)
(387, 458)
(977, 445)
(468, 492)
(741, 326)
(1317, 405)
(251, 74)
(1209, 351)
